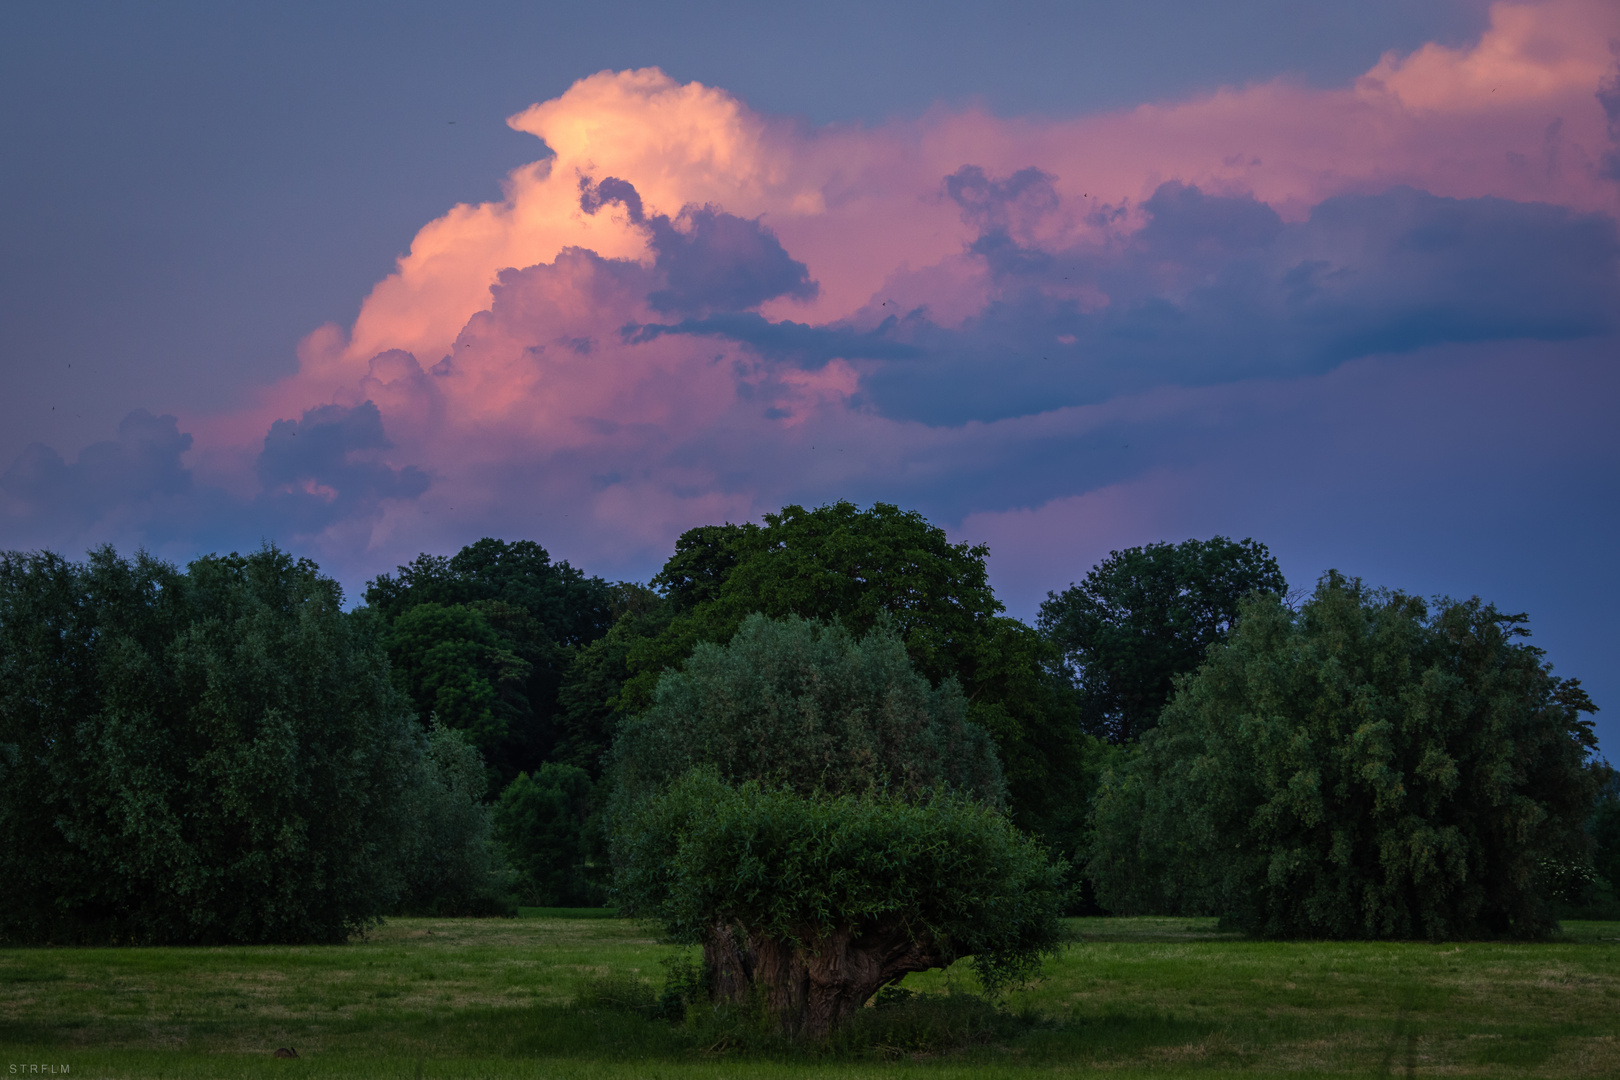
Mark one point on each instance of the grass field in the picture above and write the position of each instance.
(498, 998)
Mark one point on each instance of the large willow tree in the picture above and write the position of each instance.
(213, 755)
(1369, 766)
(823, 821)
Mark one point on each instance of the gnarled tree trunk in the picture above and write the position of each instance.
(813, 987)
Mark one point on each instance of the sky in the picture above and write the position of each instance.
(367, 280)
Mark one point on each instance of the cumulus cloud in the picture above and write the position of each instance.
(1515, 115)
(138, 470)
(1219, 288)
(689, 311)
(323, 468)
(710, 260)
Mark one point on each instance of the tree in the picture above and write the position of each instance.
(1144, 615)
(571, 608)
(1367, 767)
(837, 561)
(1589, 888)
(590, 700)
(483, 640)
(823, 820)
(866, 568)
(210, 756)
(460, 673)
(450, 863)
(810, 707)
(815, 902)
(544, 823)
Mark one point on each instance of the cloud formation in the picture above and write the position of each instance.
(1215, 288)
(688, 311)
(323, 468)
(709, 260)
(132, 476)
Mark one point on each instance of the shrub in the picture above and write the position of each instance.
(817, 901)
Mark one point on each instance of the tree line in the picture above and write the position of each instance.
(832, 697)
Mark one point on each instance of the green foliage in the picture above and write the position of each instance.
(571, 609)
(216, 755)
(869, 568)
(860, 567)
(811, 708)
(451, 663)
(685, 985)
(1589, 887)
(590, 699)
(1052, 767)
(795, 868)
(1144, 615)
(449, 861)
(822, 820)
(543, 822)
(483, 639)
(1363, 768)
(1604, 829)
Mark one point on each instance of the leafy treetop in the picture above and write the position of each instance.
(483, 640)
(793, 703)
(569, 608)
(1144, 615)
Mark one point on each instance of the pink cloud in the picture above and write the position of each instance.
(1513, 115)
(498, 355)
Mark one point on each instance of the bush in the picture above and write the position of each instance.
(1363, 768)
(210, 756)
(1590, 888)
(818, 901)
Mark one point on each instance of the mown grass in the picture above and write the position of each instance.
(500, 998)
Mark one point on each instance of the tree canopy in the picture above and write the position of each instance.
(543, 821)
(808, 707)
(835, 561)
(1144, 615)
(865, 568)
(483, 640)
(214, 755)
(1370, 766)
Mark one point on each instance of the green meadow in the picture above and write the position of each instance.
(535, 997)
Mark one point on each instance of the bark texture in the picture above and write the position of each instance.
(813, 987)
